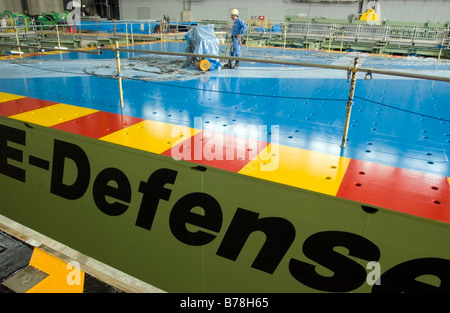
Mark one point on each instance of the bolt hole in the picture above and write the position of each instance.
(436, 202)
(358, 184)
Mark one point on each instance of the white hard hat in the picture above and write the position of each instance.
(234, 12)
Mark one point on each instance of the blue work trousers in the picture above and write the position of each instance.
(236, 51)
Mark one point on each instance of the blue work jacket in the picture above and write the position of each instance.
(239, 27)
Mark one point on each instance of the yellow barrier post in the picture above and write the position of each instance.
(132, 35)
(119, 74)
(59, 41)
(331, 38)
(17, 41)
(353, 70)
(440, 48)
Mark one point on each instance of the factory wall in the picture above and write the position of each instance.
(39, 6)
(274, 10)
(35, 7)
(11, 5)
(416, 10)
(219, 10)
(394, 10)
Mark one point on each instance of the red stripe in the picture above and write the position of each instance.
(217, 150)
(412, 192)
(22, 105)
(98, 124)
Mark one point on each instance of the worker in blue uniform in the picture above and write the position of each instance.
(239, 28)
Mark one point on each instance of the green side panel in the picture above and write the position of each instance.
(207, 230)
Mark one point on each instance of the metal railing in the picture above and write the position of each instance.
(402, 39)
(358, 31)
(352, 70)
(370, 37)
(89, 34)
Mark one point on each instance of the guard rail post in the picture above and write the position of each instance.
(353, 71)
(119, 74)
(16, 28)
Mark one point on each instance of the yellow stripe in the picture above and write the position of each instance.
(31, 54)
(53, 114)
(62, 278)
(151, 136)
(315, 171)
(4, 97)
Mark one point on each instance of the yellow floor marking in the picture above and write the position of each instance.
(54, 114)
(315, 171)
(4, 97)
(151, 136)
(62, 277)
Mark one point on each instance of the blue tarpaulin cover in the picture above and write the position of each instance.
(202, 40)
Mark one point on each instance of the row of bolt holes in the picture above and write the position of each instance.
(290, 137)
(435, 201)
(364, 173)
(360, 173)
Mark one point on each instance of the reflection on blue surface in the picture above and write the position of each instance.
(137, 27)
(399, 122)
